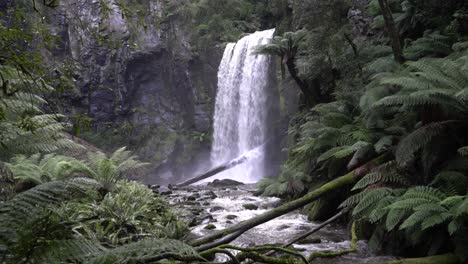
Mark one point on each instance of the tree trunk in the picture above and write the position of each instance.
(392, 31)
(311, 95)
(331, 186)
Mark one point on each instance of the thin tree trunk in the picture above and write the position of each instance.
(331, 186)
(311, 96)
(392, 31)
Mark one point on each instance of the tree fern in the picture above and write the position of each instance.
(433, 44)
(109, 170)
(44, 168)
(30, 213)
(24, 128)
(412, 143)
(386, 173)
(369, 200)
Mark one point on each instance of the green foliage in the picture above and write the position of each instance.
(290, 183)
(24, 127)
(286, 47)
(39, 169)
(107, 170)
(129, 213)
(216, 21)
(28, 221)
(54, 222)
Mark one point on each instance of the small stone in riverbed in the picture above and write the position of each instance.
(193, 197)
(229, 222)
(250, 206)
(210, 227)
(206, 203)
(164, 190)
(282, 227)
(230, 217)
(299, 249)
(216, 208)
(211, 195)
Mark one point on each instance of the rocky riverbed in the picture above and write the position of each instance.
(212, 207)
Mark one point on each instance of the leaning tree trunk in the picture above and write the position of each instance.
(229, 234)
(392, 31)
(311, 96)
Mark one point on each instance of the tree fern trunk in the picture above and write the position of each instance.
(392, 31)
(311, 95)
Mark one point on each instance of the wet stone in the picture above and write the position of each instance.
(282, 227)
(216, 208)
(224, 183)
(310, 240)
(209, 227)
(231, 217)
(250, 206)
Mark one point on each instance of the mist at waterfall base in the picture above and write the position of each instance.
(245, 109)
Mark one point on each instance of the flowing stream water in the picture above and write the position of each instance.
(241, 109)
(221, 207)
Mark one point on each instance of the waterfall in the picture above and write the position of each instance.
(241, 109)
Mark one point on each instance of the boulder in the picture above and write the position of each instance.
(224, 183)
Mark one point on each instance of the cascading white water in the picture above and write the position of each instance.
(241, 107)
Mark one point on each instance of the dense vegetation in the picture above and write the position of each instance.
(410, 108)
(395, 93)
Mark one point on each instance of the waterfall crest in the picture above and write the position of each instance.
(241, 109)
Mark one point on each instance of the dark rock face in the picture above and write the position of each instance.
(144, 85)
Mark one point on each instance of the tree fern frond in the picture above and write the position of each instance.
(417, 139)
(394, 217)
(436, 219)
(425, 192)
(369, 200)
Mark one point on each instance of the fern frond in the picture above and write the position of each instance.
(436, 219)
(369, 200)
(417, 139)
(394, 217)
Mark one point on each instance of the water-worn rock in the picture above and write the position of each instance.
(224, 183)
(216, 208)
(210, 194)
(250, 206)
(282, 227)
(310, 240)
(231, 217)
(163, 190)
(210, 227)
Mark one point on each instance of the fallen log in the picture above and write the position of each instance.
(232, 163)
(242, 227)
(225, 166)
